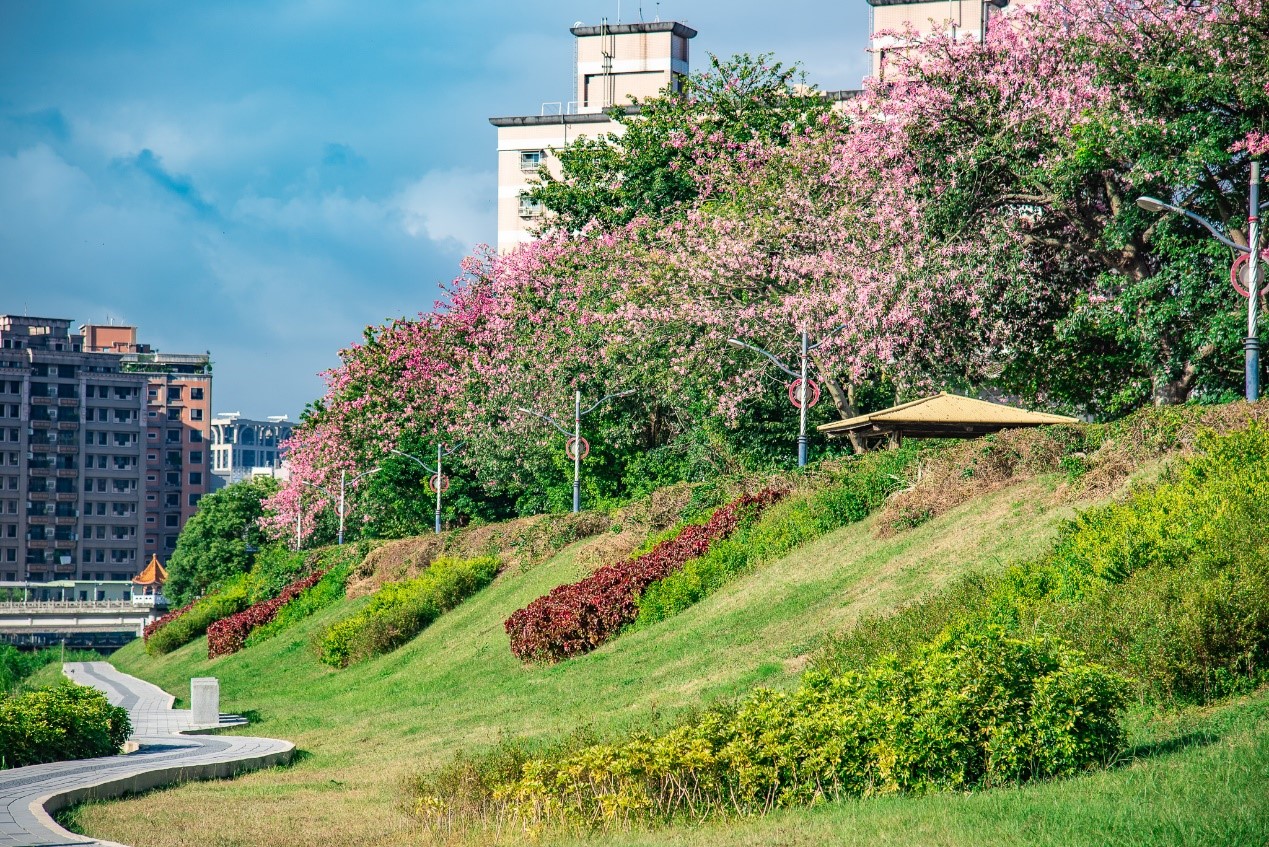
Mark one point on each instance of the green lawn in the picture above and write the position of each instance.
(364, 730)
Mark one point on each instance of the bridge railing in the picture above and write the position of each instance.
(71, 606)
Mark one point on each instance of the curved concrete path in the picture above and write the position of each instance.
(165, 756)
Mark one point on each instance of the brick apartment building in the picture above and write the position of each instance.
(178, 430)
(87, 450)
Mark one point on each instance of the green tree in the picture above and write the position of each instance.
(649, 169)
(219, 540)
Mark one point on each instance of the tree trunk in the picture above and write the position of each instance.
(843, 395)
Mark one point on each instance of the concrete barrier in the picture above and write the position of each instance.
(204, 698)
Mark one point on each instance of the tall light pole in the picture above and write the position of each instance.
(1252, 343)
(441, 453)
(803, 384)
(344, 482)
(578, 414)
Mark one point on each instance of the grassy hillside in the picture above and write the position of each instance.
(366, 729)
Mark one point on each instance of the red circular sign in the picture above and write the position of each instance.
(431, 483)
(570, 451)
(1238, 273)
(795, 393)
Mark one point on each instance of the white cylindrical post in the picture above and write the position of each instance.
(439, 477)
(577, 451)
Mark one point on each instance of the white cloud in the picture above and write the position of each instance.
(456, 204)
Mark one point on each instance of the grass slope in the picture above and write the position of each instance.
(363, 730)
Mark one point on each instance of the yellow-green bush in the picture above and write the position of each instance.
(1169, 587)
(400, 610)
(66, 721)
(986, 710)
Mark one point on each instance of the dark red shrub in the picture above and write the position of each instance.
(577, 618)
(227, 635)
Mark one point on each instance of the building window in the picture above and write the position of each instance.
(530, 160)
(171, 520)
(196, 414)
(529, 208)
(196, 394)
(195, 436)
(174, 392)
(194, 498)
(196, 457)
(196, 478)
(174, 414)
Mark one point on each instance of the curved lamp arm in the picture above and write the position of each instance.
(416, 459)
(1152, 204)
(781, 365)
(608, 397)
(546, 418)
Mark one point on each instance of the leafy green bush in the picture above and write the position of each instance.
(232, 598)
(329, 589)
(399, 610)
(1169, 588)
(986, 710)
(856, 491)
(66, 721)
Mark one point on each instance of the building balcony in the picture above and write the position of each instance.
(37, 520)
(65, 520)
(68, 449)
(68, 426)
(64, 569)
(40, 544)
(66, 496)
(42, 400)
(68, 402)
(67, 473)
(40, 471)
(42, 423)
(39, 496)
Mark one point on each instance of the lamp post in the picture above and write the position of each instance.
(1252, 343)
(578, 414)
(806, 351)
(344, 482)
(441, 453)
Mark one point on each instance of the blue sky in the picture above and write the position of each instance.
(264, 179)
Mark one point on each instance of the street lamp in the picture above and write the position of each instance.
(807, 349)
(1252, 343)
(441, 452)
(344, 482)
(576, 437)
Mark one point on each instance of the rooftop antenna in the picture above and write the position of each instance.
(618, 11)
(658, 17)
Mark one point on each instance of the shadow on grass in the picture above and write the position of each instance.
(1197, 738)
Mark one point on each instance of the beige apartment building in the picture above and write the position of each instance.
(614, 63)
(960, 19)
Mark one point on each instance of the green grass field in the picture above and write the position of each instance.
(363, 731)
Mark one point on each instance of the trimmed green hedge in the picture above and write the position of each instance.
(66, 721)
(329, 589)
(859, 489)
(232, 598)
(400, 610)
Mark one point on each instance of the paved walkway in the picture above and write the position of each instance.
(164, 756)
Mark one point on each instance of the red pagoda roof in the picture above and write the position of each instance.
(153, 574)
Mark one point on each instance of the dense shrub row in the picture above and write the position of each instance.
(66, 721)
(1169, 588)
(851, 494)
(400, 610)
(229, 635)
(576, 618)
(329, 589)
(163, 620)
(981, 711)
(192, 621)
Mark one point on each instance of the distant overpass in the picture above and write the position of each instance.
(101, 624)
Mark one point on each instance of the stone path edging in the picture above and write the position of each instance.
(166, 755)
